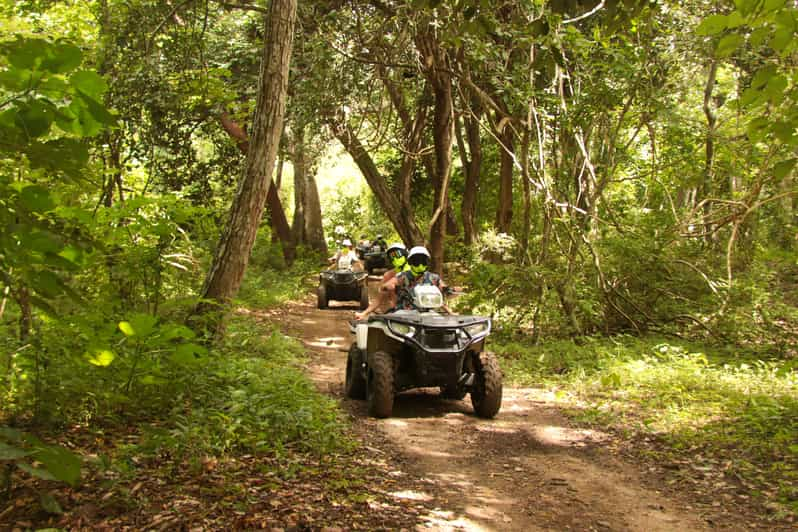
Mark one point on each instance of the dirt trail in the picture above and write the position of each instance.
(527, 469)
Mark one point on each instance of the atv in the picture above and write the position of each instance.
(423, 348)
(342, 285)
(373, 257)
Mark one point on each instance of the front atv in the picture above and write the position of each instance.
(342, 285)
(413, 349)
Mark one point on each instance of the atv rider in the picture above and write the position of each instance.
(397, 254)
(345, 258)
(402, 284)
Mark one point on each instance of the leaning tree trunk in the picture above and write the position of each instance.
(232, 253)
(279, 223)
(402, 220)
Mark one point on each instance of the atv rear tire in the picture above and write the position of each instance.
(364, 297)
(487, 393)
(321, 296)
(355, 385)
(379, 388)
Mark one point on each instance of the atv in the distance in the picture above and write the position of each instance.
(413, 349)
(342, 285)
(373, 257)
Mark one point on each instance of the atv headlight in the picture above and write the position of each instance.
(478, 328)
(403, 329)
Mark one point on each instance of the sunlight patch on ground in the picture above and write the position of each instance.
(428, 452)
(396, 422)
(308, 322)
(494, 428)
(326, 342)
(412, 495)
(446, 520)
(564, 436)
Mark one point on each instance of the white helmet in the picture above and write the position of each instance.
(418, 259)
(346, 242)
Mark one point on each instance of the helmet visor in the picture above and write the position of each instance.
(395, 253)
(418, 260)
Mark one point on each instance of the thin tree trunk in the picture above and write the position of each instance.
(504, 212)
(232, 253)
(709, 160)
(300, 170)
(472, 166)
(314, 227)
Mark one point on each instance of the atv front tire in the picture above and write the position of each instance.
(487, 393)
(355, 385)
(364, 297)
(321, 296)
(379, 388)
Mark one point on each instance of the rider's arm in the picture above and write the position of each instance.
(383, 296)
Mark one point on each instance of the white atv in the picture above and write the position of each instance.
(423, 348)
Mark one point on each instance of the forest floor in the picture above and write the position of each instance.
(530, 468)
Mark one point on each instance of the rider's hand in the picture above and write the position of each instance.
(360, 315)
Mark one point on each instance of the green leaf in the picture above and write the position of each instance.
(773, 5)
(187, 354)
(64, 57)
(15, 79)
(61, 463)
(35, 118)
(177, 331)
(140, 325)
(728, 44)
(89, 83)
(762, 76)
(759, 36)
(10, 452)
(27, 53)
(42, 304)
(46, 283)
(98, 111)
(100, 357)
(783, 168)
(36, 198)
(62, 155)
(712, 25)
(50, 505)
(38, 472)
(781, 38)
(734, 20)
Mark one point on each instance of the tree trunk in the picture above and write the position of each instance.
(471, 167)
(504, 212)
(436, 71)
(300, 169)
(314, 227)
(232, 253)
(401, 219)
(709, 161)
(277, 218)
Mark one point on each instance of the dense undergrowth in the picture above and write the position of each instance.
(158, 394)
(729, 411)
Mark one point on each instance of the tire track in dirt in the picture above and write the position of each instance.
(527, 469)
